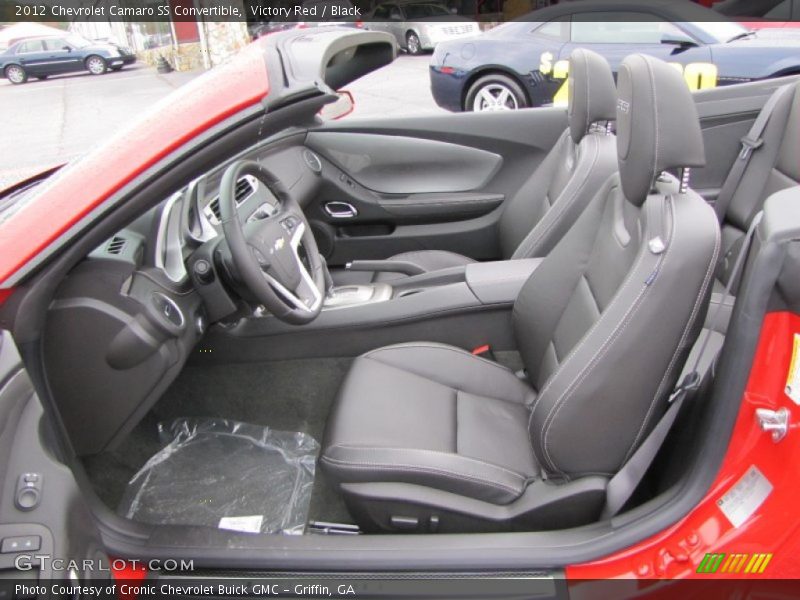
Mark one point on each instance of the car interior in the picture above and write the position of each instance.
(432, 324)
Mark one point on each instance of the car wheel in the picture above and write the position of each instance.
(413, 45)
(16, 74)
(96, 65)
(494, 93)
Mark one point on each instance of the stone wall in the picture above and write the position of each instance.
(186, 57)
(225, 39)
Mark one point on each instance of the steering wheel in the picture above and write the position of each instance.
(266, 251)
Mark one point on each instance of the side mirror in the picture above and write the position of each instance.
(339, 108)
(67, 48)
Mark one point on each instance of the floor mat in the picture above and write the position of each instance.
(226, 474)
(291, 395)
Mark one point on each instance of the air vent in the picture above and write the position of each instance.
(213, 208)
(245, 188)
(116, 245)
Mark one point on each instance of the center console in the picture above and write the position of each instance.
(466, 306)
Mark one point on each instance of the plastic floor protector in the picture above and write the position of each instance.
(225, 474)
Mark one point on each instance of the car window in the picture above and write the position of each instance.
(54, 44)
(625, 28)
(395, 13)
(77, 41)
(30, 46)
(555, 30)
(420, 11)
(382, 12)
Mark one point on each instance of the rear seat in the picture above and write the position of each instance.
(774, 165)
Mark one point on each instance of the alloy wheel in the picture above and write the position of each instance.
(15, 74)
(494, 97)
(413, 44)
(96, 65)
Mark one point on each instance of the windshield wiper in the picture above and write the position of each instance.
(741, 36)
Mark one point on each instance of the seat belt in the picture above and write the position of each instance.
(621, 487)
(750, 143)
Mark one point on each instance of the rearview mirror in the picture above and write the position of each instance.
(339, 108)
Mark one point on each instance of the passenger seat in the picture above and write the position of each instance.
(558, 191)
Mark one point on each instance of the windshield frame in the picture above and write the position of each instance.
(722, 31)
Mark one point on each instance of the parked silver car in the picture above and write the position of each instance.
(419, 26)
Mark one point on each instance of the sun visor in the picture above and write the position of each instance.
(334, 55)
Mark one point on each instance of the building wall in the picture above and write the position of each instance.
(224, 39)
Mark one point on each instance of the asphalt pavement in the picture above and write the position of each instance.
(46, 123)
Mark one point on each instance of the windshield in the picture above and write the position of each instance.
(722, 31)
(420, 11)
(77, 41)
(10, 203)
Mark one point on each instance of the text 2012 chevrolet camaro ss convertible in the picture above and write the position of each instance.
(514, 344)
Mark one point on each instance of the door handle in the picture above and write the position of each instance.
(340, 210)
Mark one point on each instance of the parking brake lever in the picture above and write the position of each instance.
(391, 266)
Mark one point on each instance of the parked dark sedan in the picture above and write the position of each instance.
(41, 57)
(523, 63)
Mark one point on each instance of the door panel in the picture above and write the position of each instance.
(428, 182)
(466, 221)
(405, 165)
(41, 510)
(62, 57)
(726, 115)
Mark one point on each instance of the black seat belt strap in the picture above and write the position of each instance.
(750, 143)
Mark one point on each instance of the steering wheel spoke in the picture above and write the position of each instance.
(276, 257)
(304, 294)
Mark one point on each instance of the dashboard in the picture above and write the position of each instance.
(124, 321)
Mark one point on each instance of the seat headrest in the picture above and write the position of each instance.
(592, 93)
(657, 124)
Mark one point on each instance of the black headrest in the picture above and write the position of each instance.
(592, 93)
(657, 124)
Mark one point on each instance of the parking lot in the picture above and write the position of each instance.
(45, 123)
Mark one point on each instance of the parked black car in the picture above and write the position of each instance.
(53, 55)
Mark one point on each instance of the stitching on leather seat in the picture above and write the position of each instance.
(585, 338)
(533, 237)
(613, 336)
(434, 346)
(418, 469)
(626, 284)
(681, 345)
(469, 459)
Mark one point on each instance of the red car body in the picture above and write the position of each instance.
(674, 553)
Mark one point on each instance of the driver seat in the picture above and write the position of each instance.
(428, 437)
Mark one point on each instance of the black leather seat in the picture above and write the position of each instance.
(429, 437)
(561, 186)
